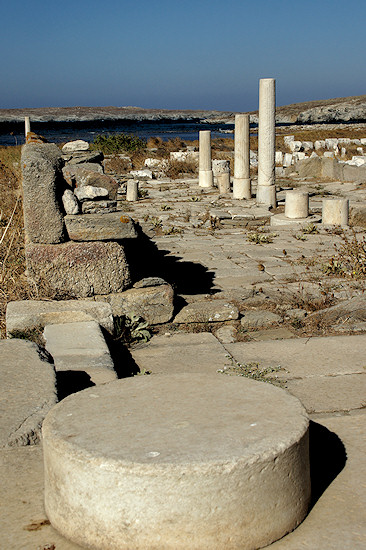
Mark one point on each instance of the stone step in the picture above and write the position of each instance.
(80, 347)
(100, 227)
(27, 391)
(26, 315)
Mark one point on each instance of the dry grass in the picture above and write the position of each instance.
(177, 168)
(13, 283)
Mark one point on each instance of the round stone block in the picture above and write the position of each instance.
(196, 461)
(297, 204)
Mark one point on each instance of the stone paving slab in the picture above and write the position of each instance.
(80, 347)
(330, 393)
(306, 357)
(27, 391)
(28, 314)
(181, 352)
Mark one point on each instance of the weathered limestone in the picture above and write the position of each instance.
(26, 315)
(266, 190)
(196, 472)
(335, 211)
(27, 125)
(78, 269)
(80, 346)
(89, 192)
(28, 392)
(207, 312)
(220, 166)
(153, 303)
(205, 174)
(100, 227)
(84, 177)
(132, 193)
(241, 182)
(297, 204)
(76, 145)
(223, 183)
(42, 192)
(70, 202)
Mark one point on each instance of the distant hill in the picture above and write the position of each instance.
(338, 110)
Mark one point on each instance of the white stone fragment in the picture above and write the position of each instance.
(331, 143)
(220, 167)
(77, 145)
(319, 144)
(295, 146)
(308, 145)
(152, 163)
(363, 141)
(288, 139)
(70, 202)
(287, 160)
(279, 158)
(89, 192)
(146, 174)
(329, 154)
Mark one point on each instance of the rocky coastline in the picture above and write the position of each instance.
(330, 111)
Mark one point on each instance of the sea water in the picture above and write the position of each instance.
(12, 133)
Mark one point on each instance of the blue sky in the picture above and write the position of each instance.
(202, 54)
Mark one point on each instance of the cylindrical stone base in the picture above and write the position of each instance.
(297, 205)
(266, 194)
(132, 191)
(242, 188)
(155, 462)
(223, 183)
(27, 125)
(335, 212)
(205, 178)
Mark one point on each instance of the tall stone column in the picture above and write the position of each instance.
(266, 191)
(205, 165)
(27, 125)
(241, 183)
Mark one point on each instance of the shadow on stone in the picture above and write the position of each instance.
(327, 459)
(71, 381)
(124, 364)
(146, 260)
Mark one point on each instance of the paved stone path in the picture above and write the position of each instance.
(328, 374)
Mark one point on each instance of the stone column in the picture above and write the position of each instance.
(241, 183)
(27, 125)
(297, 205)
(266, 190)
(132, 191)
(205, 167)
(335, 212)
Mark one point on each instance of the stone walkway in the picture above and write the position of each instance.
(327, 373)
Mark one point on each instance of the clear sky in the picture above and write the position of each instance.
(179, 54)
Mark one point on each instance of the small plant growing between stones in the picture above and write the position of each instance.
(173, 230)
(350, 260)
(33, 334)
(257, 237)
(156, 223)
(195, 199)
(310, 229)
(255, 371)
(143, 193)
(165, 207)
(300, 237)
(130, 329)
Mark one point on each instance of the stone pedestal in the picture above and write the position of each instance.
(266, 142)
(205, 174)
(297, 205)
(227, 467)
(335, 212)
(132, 191)
(27, 125)
(241, 182)
(223, 183)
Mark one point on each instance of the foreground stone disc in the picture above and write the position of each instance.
(177, 461)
